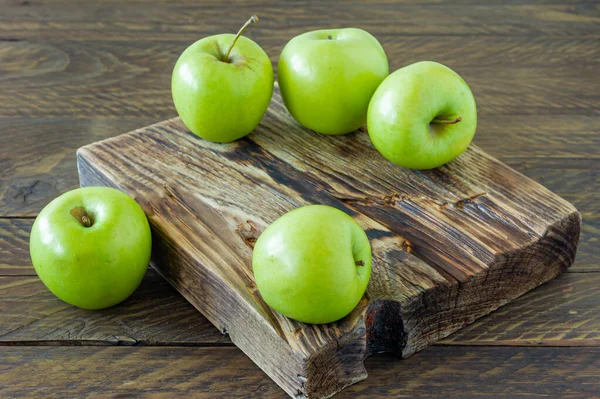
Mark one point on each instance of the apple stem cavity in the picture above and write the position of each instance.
(446, 121)
(82, 217)
(359, 263)
(329, 37)
(253, 19)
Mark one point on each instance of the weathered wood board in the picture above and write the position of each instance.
(449, 245)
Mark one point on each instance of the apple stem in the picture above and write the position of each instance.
(85, 220)
(329, 37)
(359, 263)
(253, 19)
(446, 121)
(82, 217)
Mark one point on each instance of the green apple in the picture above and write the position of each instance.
(313, 264)
(422, 116)
(327, 78)
(222, 86)
(91, 246)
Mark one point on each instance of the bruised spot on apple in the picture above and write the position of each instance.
(313, 264)
(422, 116)
(222, 86)
(91, 246)
(327, 78)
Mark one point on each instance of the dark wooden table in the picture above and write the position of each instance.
(76, 72)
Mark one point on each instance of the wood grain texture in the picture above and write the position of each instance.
(14, 247)
(559, 313)
(37, 164)
(154, 315)
(562, 312)
(126, 21)
(500, 91)
(37, 158)
(508, 373)
(111, 60)
(32, 64)
(450, 245)
(51, 51)
(578, 181)
(201, 373)
(84, 91)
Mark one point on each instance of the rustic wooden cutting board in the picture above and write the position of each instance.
(449, 245)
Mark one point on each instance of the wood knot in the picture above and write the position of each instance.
(248, 233)
(393, 199)
(388, 200)
(407, 247)
(460, 204)
(252, 286)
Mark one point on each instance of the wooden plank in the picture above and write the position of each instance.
(563, 306)
(529, 34)
(127, 59)
(128, 372)
(37, 158)
(549, 139)
(206, 373)
(576, 180)
(558, 313)
(170, 21)
(43, 65)
(154, 315)
(466, 372)
(561, 312)
(250, 3)
(499, 90)
(445, 242)
(28, 185)
(37, 162)
(14, 247)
